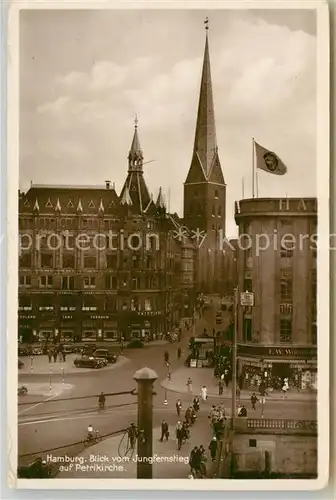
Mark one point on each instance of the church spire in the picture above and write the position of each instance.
(205, 145)
(135, 157)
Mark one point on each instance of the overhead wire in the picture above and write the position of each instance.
(45, 401)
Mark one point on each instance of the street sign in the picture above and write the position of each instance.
(247, 299)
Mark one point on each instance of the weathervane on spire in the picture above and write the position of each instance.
(136, 121)
(206, 22)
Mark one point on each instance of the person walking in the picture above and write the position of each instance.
(213, 448)
(204, 393)
(179, 353)
(192, 461)
(64, 356)
(49, 355)
(220, 387)
(179, 435)
(254, 400)
(55, 356)
(178, 407)
(189, 384)
(164, 430)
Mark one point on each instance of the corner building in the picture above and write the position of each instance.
(277, 337)
(99, 266)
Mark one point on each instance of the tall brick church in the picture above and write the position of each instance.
(205, 189)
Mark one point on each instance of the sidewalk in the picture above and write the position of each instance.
(204, 376)
(174, 464)
(40, 366)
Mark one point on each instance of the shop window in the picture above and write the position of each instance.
(286, 290)
(68, 261)
(89, 282)
(89, 304)
(26, 260)
(90, 262)
(111, 335)
(111, 261)
(89, 335)
(68, 282)
(247, 329)
(25, 281)
(148, 305)
(46, 281)
(67, 303)
(285, 330)
(46, 260)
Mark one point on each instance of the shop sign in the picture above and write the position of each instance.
(99, 317)
(275, 351)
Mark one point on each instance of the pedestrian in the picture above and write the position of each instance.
(238, 393)
(64, 356)
(243, 411)
(166, 356)
(164, 430)
(213, 448)
(178, 407)
(254, 399)
(284, 390)
(204, 393)
(49, 355)
(192, 460)
(220, 387)
(196, 403)
(132, 435)
(189, 384)
(179, 435)
(179, 352)
(55, 356)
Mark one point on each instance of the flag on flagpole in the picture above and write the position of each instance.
(268, 161)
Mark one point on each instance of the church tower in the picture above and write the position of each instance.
(205, 188)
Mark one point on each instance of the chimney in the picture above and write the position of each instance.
(107, 184)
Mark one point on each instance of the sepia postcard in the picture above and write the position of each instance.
(168, 228)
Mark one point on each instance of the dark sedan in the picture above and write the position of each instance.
(89, 362)
(105, 354)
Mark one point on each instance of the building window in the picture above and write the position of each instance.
(68, 261)
(286, 309)
(111, 282)
(46, 260)
(90, 262)
(286, 290)
(46, 281)
(89, 304)
(67, 303)
(252, 443)
(111, 261)
(25, 281)
(68, 282)
(314, 333)
(219, 211)
(149, 262)
(216, 194)
(111, 304)
(135, 283)
(136, 261)
(248, 285)
(285, 330)
(89, 282)
(26, 260)
(247, 329)
(135, 304)
(286, 250)
(148, 305)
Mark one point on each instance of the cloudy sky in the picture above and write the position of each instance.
(84, 74)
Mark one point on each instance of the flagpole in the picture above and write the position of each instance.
(253, 168)
(243, 188)
(257, 184)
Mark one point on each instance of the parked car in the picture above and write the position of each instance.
(88, 349)
(89, 362)
(105, 354)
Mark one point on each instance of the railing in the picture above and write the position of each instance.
(282, 424)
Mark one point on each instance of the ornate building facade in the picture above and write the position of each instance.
(97, 266)
(205, 189)
(277, 262)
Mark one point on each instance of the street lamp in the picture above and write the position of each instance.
(168, 370)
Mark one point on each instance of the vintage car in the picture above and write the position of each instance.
(105, 354)
(89, 362)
